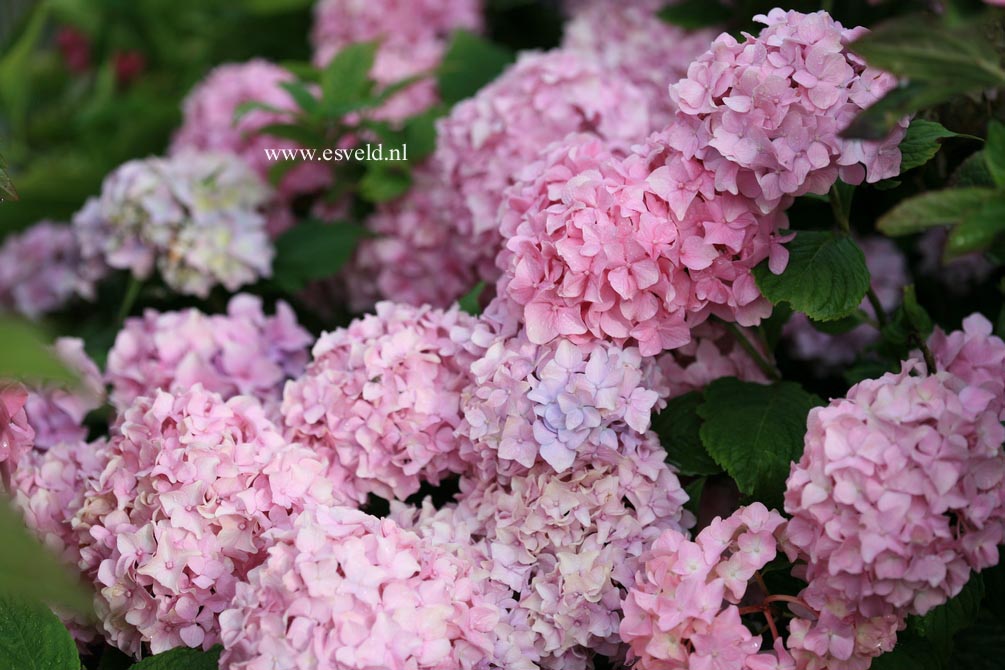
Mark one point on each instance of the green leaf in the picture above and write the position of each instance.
(469, 302)
(26, 354)
(755, 432)
(921, 49)
(182, 658)
(269, 7)
(469, 64)
(910, 654)
(302, 135)
(838, 326)
(972, 172)
(909, 324)
(922, 143)
(384, 182)
(981, 646)
(305, 99)
(345, 81)
(32, 638)
(826, 277)
(678, 426)
(694, 491)
(420, 133)
(876, 122)
(695, 14)
(978, 231)
(772, 327)
(7, 191)
(27, 569)
(313, 250)
(995, 152)
(248, 106)
(933, 209)
(942, 623)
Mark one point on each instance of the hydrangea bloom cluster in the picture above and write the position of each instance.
(342, 589)
(41, 269)
(712, 353)
(629, 38)
(209, 124)
(554, 403)
(16, 434)
(195, 215)
(888, 269)
(764, 114)
(382, 398)
(975, 355)
(414, 258)
(57, 412)
(487, 140)
(242, 352)
(637, 249)
(177, 517)
(899, 493)
(681, 610)
(412, 34)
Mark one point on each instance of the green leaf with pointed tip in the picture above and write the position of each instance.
(755, 431)
(313, 250)
(32, 638)
(936, 208)
(978, 231)
(305, 99)
(826, 277)
(921, 143)
(469, 302)
(678, 427)
(345, 81)
(995, 152)
(182, 658)
(470, 63)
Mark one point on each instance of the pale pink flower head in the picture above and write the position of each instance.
(764, 114)
(57, 412)
(196, 217)
(342, 589)
(629, 38)
(712, 353)
(567, 544)
(487, 140)
(414, 258)
(900, 492)
(381, 399)
(242, 352)
(888, 270)
(180, 512)
(16, 435)
(634, 250)
(41, 270)
(681, 609)
(559, 403)
(973, 354)
(210, 123)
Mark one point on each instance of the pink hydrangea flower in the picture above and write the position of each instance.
(711, 354)
(632, 250)
(888, 269)
(41, 269)
(382, 398)
(209, 125)
(487, 140)
(900, 492)
(764, 114)
(242, 352)
(48, 490)
(414, 258)
(196, 216)
(180, 512)
(566, 544)
(16, 435)
(342, 589)
(412, 34)
(629, 38)
(681, 609)
(559, 403)
(56, 412)
(974, 354)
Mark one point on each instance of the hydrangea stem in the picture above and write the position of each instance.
(132, 293)
(766, 367)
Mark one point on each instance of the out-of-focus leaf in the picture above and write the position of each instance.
(995, 152)
(469, 302)
(303, 96)
(345, 81)
(826, 277)
(302, 135)
(28, 570)
(973, 172)
(244, 108)
(876, 122)
(25, 353)
(678, 427)
(313, 250)
(420, 133)
(695, 14)
(32, 638)
(15, 79)
(182, 658)
(269, 7)
(7, 191)
(470, 63)
(933, 209)
(978, 230)
(383, 182)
